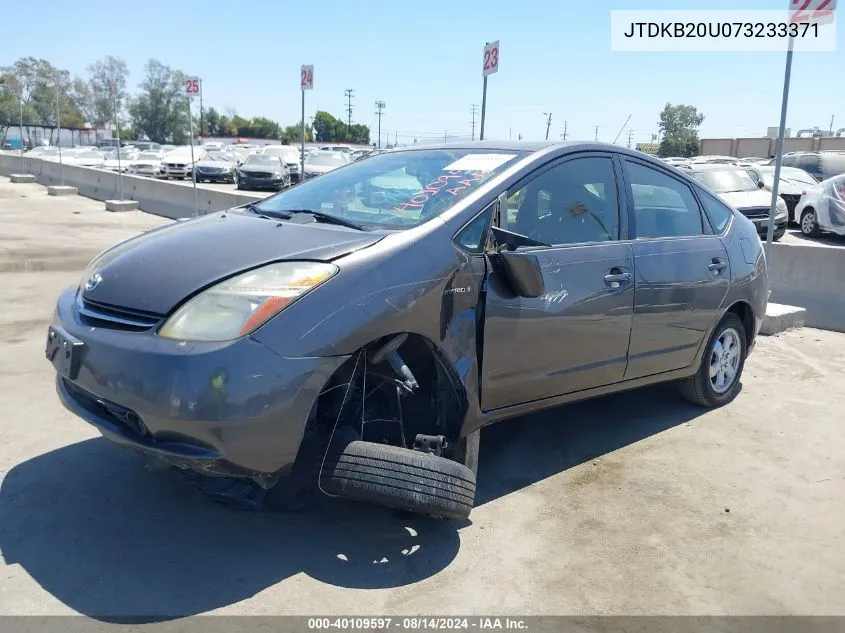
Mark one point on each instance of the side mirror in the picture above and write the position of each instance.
(761, 184)
(523, 273)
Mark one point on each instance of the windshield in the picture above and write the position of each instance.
(149, 156)
(726, 180)
(789, 175)
(325, 159)
(218, 156)
(259, 159)
(397, 190)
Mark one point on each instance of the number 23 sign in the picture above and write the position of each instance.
(491, 59)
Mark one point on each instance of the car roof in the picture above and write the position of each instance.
(696, 167)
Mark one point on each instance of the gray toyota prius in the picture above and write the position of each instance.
(353, 334)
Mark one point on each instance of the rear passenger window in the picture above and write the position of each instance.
(809, 163)
(718, 213)
(663, 206)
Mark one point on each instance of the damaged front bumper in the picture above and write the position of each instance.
(231, 409)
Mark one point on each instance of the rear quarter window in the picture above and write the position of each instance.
(717, 212)
(833, 164)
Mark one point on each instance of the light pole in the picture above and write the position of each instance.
(59, 134)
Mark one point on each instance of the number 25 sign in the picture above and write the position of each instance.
(491, 59)
(192, 86)
(306, 77)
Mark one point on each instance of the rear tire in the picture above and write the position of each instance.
(809, 224)
(396, 477)
(724, 356)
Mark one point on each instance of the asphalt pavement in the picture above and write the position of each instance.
(632, 504)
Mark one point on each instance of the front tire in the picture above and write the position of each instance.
(717, 381)
(397, 478)
(809, 224)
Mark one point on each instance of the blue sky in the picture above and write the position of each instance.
(424, 59)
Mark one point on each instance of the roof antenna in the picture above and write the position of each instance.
(623, 129)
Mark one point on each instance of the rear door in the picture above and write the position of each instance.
(575, 336)
(682, 271)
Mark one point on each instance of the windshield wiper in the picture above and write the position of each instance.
(252, 207)
(325, 217)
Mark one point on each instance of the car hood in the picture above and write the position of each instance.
(265, 169)
(320, 169)
(747, 199)
(155, 271)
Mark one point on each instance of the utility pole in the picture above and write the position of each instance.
(548, 123)
(564, 130)
(444, 136)
(380, 106)
(349, 93)
(395, 138)
(202, 118)
(597, 132)
(474, 111)
(831, 124)
(630, 134)
(510, 134)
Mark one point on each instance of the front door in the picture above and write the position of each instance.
(575, 336)
(682, 272)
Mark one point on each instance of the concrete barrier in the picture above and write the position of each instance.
(159, 197)
(812, 277)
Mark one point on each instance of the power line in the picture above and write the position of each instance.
(349, 93)
(474, 111)
(380, 106)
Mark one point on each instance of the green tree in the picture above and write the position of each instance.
(106, 82)
(292, 134)
(159, 111)
(679, 126)
(325, 127)
(210, 123)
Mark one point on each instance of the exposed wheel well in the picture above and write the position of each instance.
(362, 390)
(746, 314)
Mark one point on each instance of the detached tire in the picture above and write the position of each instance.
(716, 383)
(397, 478)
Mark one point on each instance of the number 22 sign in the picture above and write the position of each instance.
(491, 59)
(192, 86)
(306, 77)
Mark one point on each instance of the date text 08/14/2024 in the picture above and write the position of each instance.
(416, 623)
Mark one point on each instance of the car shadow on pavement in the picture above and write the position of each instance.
(826, 239)
(114, 542)
(534, 447)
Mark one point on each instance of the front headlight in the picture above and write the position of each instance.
(277, 174)
(241, 304)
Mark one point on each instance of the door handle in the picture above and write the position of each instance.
(717, 265)
(615, 280)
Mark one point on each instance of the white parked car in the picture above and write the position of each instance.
(291, 157)
(822, 208)
(113, 162)
(179, 164)
(149, 163)
(85, 158)
(324, 162)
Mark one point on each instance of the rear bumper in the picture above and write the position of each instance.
(233, 408)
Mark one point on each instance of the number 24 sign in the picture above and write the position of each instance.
(491, 59)
(192, 86)
(306, 77)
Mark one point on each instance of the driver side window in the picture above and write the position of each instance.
(571, 203)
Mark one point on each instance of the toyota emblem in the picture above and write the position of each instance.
(93, 281)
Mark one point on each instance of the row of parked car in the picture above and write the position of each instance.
(273, 167)
(811, 188)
